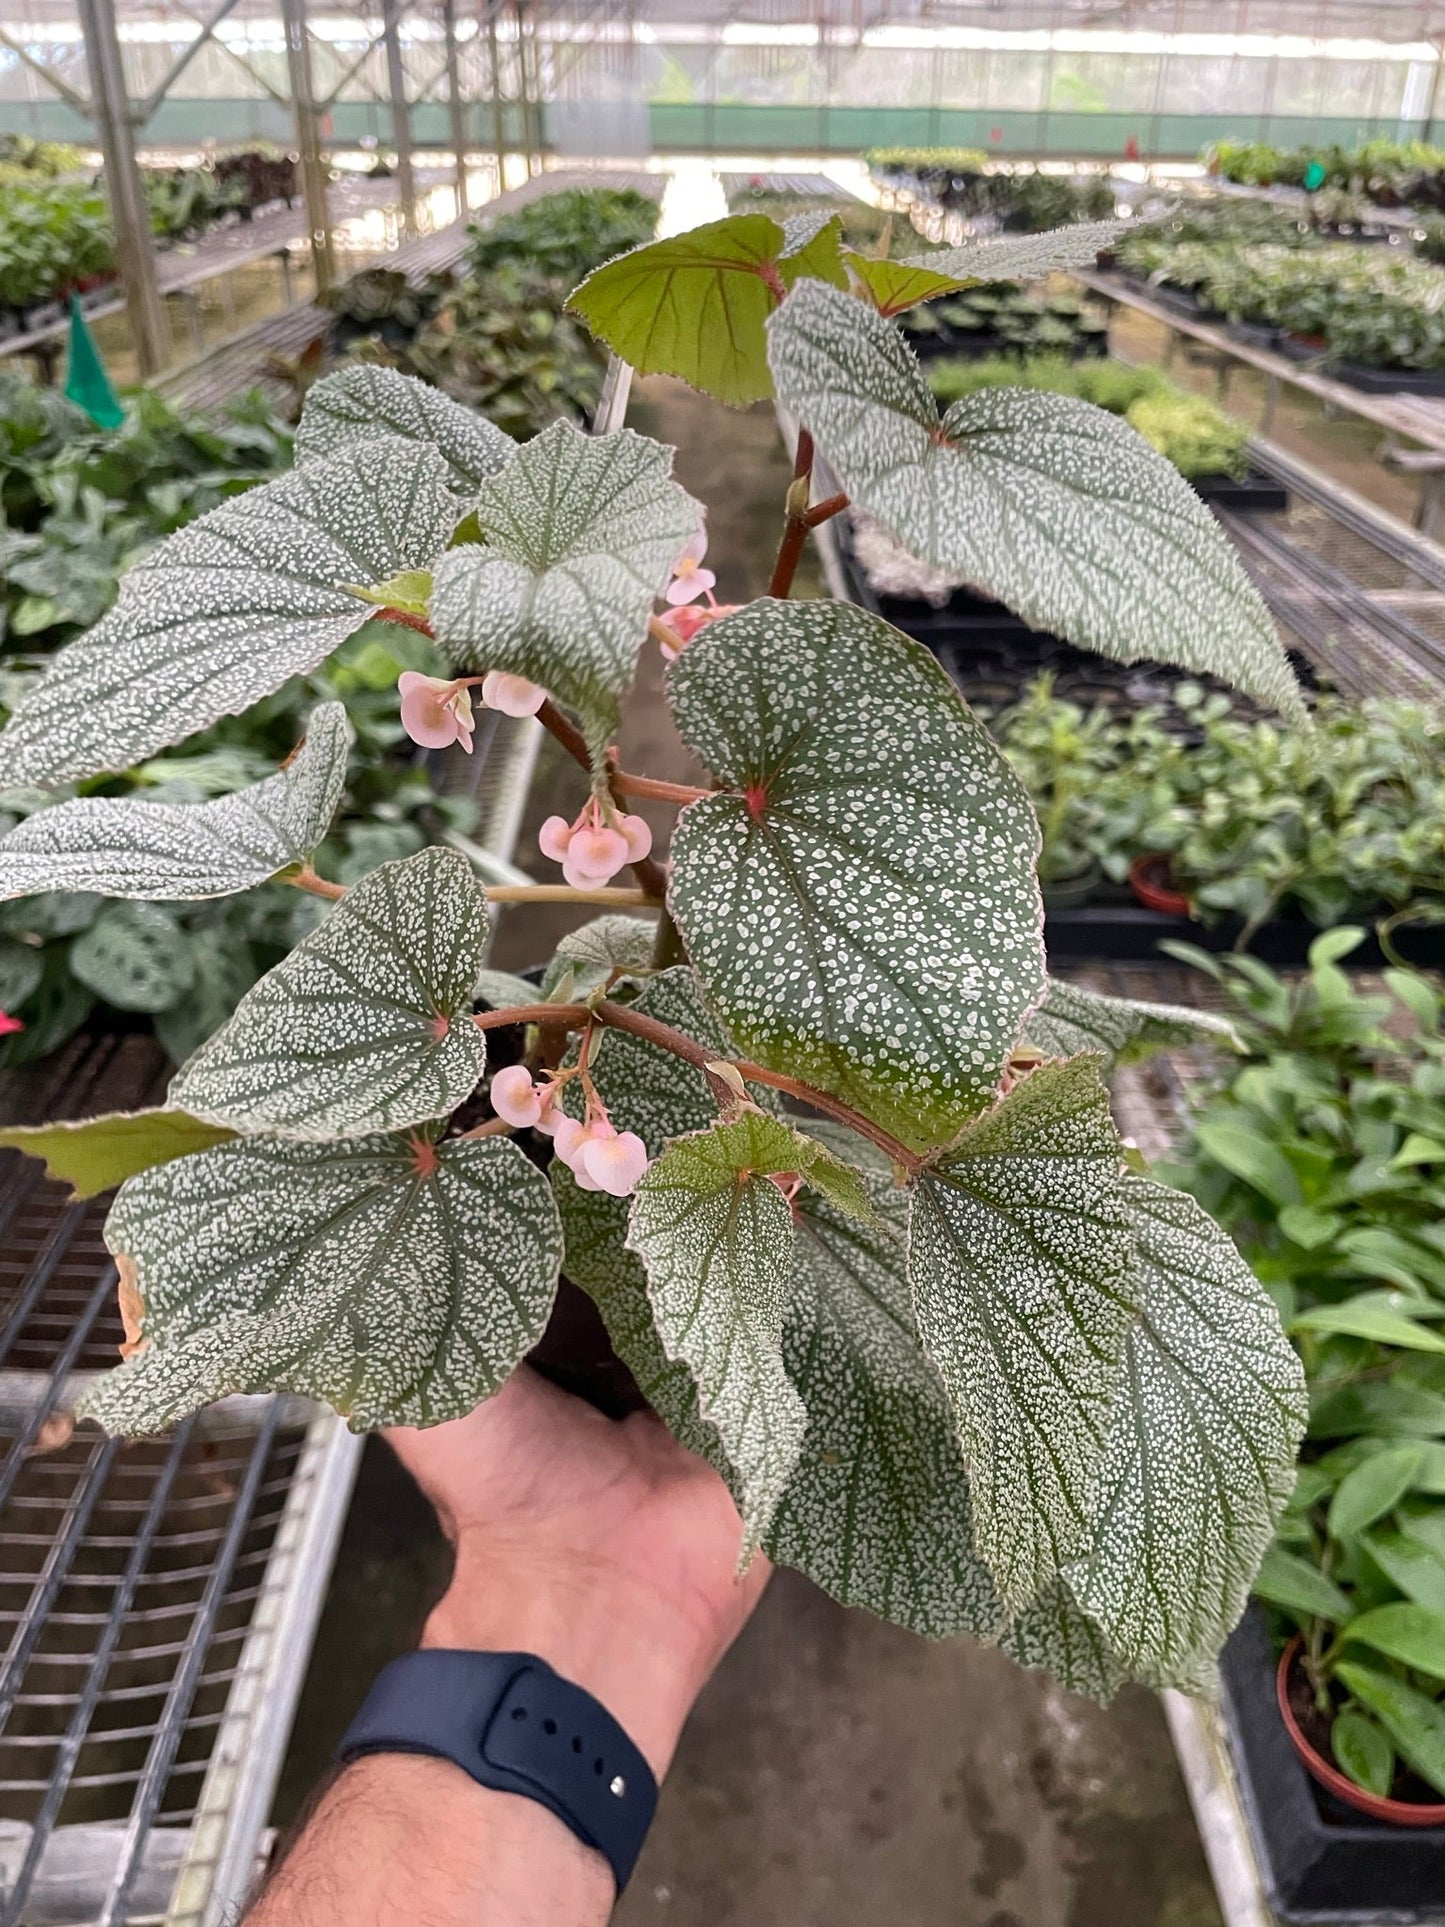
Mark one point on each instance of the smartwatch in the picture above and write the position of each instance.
(515, 1726)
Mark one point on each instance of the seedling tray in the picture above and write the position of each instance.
(1256, 493)
(1322, 1862)
(1390, 381)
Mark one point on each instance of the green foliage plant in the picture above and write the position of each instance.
(1322, 1151)
(833, 1158)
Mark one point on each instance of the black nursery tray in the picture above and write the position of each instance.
(1256, 493)
(1125, 932)
(1322, 1862)
(1390, 381)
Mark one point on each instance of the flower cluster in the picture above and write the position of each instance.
(436, 713)
(596, 845)
(600, 1157)
(684, 617)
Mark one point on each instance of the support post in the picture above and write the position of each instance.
(499, 117)
(130, 216)
(308, 139)
(400, 113)
(455, 110)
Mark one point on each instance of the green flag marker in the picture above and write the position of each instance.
(1315, 175)
(86, 382)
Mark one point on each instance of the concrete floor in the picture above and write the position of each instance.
(837, 1772)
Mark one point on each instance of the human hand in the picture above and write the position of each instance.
(607, 1549)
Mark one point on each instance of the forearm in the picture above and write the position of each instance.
(401, 1841)
(404, 1841)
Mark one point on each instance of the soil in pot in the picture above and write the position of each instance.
(1412, 1802)
(1153, 884)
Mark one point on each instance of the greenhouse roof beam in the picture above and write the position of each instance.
(152, 101)
(72, 96)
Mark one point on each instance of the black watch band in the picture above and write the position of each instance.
(517, 1727)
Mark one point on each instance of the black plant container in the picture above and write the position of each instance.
(1389, 381)
(1254, 493)
(1321, 1862)
(1128, 933)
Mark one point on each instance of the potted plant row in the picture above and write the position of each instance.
(1321, 1149)
(761, 1128)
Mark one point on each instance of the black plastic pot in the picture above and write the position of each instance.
(1255, 334)
(1322, 1863)
(1127, 933)
(1253, 493)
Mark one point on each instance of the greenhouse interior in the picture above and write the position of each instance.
(722, 963)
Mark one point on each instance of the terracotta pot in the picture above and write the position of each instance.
(1150, 880)
(1396, 1813)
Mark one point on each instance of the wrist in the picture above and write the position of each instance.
(605, 1631)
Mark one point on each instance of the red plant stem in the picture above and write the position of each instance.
(624, 1017)
(567, 734)
(795, 528)
(825, 510)
(407, 620)
(307, 879)
(653, 787)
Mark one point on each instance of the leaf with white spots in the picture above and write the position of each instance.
(1053, 1634)
(716, 1237)
(695, 305)
(1072, 1019)
(577, 538)
(1059, 509)
(399, 1280)
(126, 846)
(876, 1510)
(500, 990)
(893, 286)
(361, 404)
(225, 611)
(1022, 1260)
(1201, 1455)
(587, 957)
(867, 921)
(366, 1025)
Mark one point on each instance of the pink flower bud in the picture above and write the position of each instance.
(435, 713)
(637, 835)
(614, 1163)
(554, 837)
(512, 695)
(515, 1098)
(550, 1114)
(567, 1134)
(9, 1025)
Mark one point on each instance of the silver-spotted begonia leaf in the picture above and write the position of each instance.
(893, 286)
(876, 1511)
(126, 846)
(577, 538)
(1201, 1455)
(1072, 1019)
(226, 610)
(715, 1235)
(587, 957)
(366, 1025)
(397, 1279)
(1053, 1634)
(866, 920)
(362, 403)
(1021, 1254)
(1059, 509)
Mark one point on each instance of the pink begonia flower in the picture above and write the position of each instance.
(515, 1098)
(9, 1025)
(614, 1163)
(591, 850)
(685, 623)
(567, 1134)
(512, 695)
(435, 713)
(689, 578)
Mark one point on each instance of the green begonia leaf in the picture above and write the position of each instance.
(126, 846)
(361, 404)
(893, 286)
(866, 921)
(1201, 1455)
(366, 1025)
(577, 540)
(135, 957)
(1058, 508)
(876, 1511)
(226, 610)
(94, 1153)
(1021, 1256)
(696, 305)
(1072, 1019)
(502, 991)
(716, 1237)
(22, 965)
(399, 1280)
